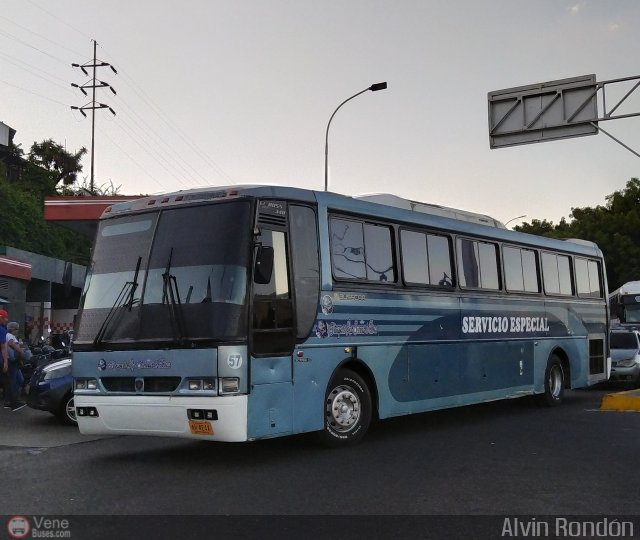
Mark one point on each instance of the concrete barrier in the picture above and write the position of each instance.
(621, 401)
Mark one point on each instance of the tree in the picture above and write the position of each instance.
(614, 226)
(22, 201)
(53, 157)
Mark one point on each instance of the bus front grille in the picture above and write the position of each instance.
(151, 384)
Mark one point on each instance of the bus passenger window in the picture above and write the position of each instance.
(378, 253)
(361, 251)
(347, 249)
(556, 272)
(415, 261)
(594, 279)
(439, 261)
(564, 273)
(520, 270)
(426, 259)
(587, 278)
(479, 264)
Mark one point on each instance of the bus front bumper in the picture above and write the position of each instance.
(164, 416)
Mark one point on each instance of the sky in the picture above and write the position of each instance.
(214, 93)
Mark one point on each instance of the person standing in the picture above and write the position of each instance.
(4, 358)
(16, 356)
(8, 367)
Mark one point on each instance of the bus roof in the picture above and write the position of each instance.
(381, 206)
(631, 287)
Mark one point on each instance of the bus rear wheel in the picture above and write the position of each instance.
(554, 381)
(347, 409)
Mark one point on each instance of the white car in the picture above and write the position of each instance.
(625, 356)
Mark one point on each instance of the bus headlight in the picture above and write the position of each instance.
(201, 384)
(86, 384)
(230, 385)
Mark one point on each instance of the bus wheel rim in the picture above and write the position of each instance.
(555, 381)
(343, 409)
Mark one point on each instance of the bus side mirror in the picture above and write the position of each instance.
(263, 269)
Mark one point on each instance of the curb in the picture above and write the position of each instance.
(622, 401)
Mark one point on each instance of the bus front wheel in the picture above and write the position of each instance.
(554, 381)
(347, 409)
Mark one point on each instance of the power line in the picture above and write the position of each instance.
(26, 29)
(160, 114)
(157, 156)
(150, 132)
(143, 169)
(15, 38)
(34, 93)
(60, 20)
(42, 75)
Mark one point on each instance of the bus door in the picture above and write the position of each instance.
(286, 289)
(272, 326)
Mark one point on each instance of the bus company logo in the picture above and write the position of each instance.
(131, 365)
(349, 328)
(18, 527)
(327, 304)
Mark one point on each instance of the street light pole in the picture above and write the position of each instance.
(513, 219)
(374, 88)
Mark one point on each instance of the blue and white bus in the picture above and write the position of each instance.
(624, 305)
(242, 313)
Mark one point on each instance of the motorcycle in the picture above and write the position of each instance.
(41, 356)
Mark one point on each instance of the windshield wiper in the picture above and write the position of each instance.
(126, 294)
(171, 295)
(134, 284)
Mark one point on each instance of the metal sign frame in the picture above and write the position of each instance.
(553, 110)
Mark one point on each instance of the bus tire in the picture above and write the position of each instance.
(554, 381)
(347, 409)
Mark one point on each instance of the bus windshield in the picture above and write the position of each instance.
(632, 313)
(175, 275)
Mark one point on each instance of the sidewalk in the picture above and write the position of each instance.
(30, 428)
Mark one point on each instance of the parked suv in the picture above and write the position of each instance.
(625, 356)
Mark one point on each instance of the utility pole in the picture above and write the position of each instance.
(93, 83)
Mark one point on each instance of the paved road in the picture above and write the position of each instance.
(508, 457)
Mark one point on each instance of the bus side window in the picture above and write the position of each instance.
(588, 278)
(362, 251)
(556, 272)
(426, 259)
(520, 270)
(478, 264)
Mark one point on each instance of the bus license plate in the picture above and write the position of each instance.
(200, 427)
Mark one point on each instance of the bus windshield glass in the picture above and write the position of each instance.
(632, 313)
(176, 276)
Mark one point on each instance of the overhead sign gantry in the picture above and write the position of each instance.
(556, 110)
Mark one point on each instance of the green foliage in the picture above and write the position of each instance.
(22, 205)
(53, 157)
(24, 227)
(615, 227)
